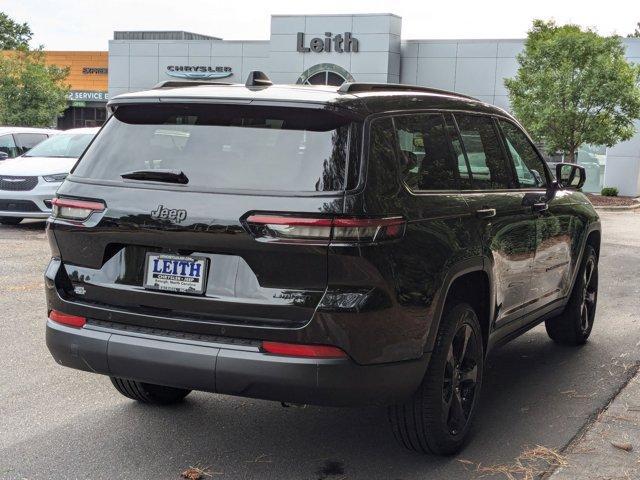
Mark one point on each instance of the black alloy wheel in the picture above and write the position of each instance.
(589, 295)
(573, 326)
(460, 379)
(438, 417)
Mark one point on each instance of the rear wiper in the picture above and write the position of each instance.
(157, 175)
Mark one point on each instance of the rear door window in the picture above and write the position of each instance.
(490, 168)
(464, 177)
(426, 156)
(225, 147)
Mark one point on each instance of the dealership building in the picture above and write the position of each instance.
(87, 81)
(331, 49)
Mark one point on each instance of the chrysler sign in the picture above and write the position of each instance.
(198, 72)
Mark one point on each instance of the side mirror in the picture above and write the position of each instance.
(3, 156)
(570, 175)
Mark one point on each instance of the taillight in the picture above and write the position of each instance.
(301, 350)
(66, 319)
(70, 209)
(340, 230)
(367, 229)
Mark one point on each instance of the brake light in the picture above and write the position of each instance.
(66, 319)
(325, 230)
(300, 350)
(70, 209)
(367, 229)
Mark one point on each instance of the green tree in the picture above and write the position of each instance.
(636, 32)
(13, 35)
(574, 86)
(31, 92)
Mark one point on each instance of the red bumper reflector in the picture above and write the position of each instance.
(297, 350)
(66, 319)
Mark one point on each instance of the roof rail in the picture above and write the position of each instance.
(355, 87)
(257, 78)
(185, 83)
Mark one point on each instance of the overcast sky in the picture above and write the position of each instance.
(89, 24)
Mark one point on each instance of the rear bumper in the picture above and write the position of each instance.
(231, 368)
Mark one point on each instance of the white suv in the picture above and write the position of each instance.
(29, 182)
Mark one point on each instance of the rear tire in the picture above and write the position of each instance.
(437, 418)
(573, 326)
(10, 220)
(149, 393)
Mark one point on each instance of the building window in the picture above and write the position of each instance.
(86, 116)
(325, 74)
(325, 78)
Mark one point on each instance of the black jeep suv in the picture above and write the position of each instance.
(368, 244)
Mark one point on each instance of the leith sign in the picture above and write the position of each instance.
(337, 43)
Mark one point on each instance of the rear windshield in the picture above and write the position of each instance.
(224, 147)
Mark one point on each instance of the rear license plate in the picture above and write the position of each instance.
(175, 273)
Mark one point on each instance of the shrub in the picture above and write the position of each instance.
(609, 192)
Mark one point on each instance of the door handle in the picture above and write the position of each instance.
(486, 213)
(540, 207)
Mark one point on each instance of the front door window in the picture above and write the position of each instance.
(8, 146)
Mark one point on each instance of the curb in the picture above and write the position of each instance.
(617, 208)
(607, 446)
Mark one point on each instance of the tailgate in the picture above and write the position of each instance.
(248, 282)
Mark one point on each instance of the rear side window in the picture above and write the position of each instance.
(528, 164)
(353, 162)
(490, 168)
(224, 147)
(382, 165)
(426, 158)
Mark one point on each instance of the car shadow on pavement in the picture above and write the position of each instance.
(246, 438)
(25, 225)
(31, 225)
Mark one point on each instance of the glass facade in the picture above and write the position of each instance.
(80, 117)
(593, 158)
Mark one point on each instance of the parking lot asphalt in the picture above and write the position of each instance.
(60, 423)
